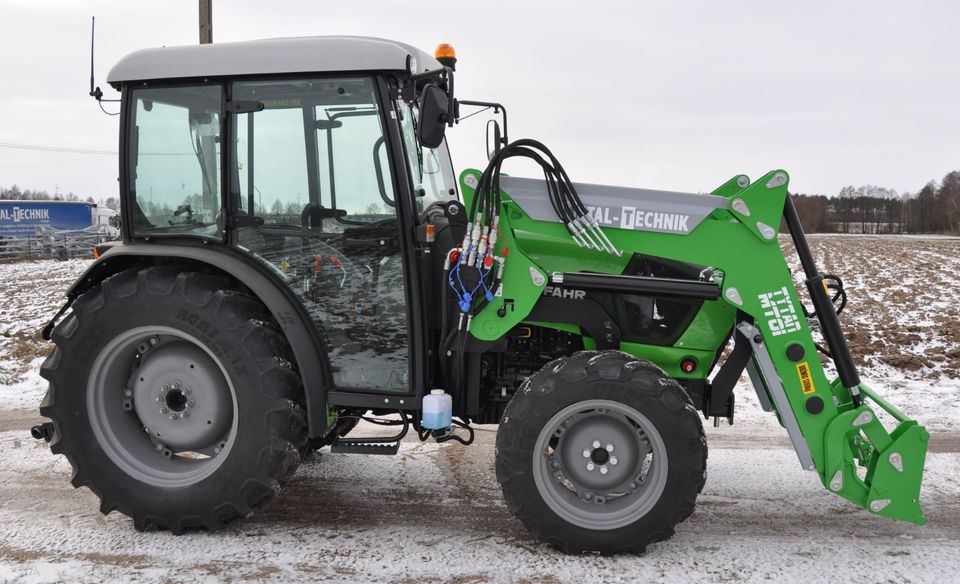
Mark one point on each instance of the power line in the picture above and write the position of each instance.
(41, 148)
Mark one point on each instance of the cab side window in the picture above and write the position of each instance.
(174, 157)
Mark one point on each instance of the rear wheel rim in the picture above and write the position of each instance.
(600, 464)
(162, 406)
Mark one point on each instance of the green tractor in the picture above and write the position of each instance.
(298, 256)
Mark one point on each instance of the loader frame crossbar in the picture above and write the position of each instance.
(662, 287)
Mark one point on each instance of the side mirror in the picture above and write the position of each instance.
(434, 111)
(494, 139)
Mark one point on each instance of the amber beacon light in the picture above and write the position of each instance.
(446, 55)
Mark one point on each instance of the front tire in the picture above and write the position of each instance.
(172, 398)
(601, 452)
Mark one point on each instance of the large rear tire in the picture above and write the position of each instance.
(173, 398)
(601, 452)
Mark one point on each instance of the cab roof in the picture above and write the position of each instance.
(319, 54)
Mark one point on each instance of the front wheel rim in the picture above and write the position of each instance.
(600, 464)
(161, 406)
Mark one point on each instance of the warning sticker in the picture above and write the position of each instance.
(806, 382)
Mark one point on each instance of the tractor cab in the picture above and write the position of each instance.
(317, 178)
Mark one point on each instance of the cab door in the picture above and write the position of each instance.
(312, 196)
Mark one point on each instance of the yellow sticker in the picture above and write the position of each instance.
(806, 382)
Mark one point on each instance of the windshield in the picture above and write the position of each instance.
(430, 168)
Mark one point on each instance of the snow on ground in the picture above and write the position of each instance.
(31, 292)
(936, 407)
(902, 320)
(434, 514)
(27, 392)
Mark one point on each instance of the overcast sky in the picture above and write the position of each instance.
(672, 95)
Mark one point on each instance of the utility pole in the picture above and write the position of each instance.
(206, 22)
(207, 143)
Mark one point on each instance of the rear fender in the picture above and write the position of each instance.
(289, 313)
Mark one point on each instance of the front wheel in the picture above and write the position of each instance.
(172, 397)
(601, 452)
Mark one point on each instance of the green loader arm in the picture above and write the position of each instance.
(833, 425)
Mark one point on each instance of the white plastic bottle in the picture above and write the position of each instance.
(437, 410)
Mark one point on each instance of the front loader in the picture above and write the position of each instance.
(298, 257)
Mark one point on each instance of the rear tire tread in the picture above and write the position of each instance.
(266, 349)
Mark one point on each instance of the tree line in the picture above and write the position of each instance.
(14, 193)
(935, 208)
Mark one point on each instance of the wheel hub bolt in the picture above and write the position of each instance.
(154, 340)
(586, 454)
(609, 447)
(596, 444)
(603, 470)
(163, 410)
(613, 460)
(186, 391)
(590, 466)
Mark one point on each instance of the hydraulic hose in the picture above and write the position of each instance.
(476, 266)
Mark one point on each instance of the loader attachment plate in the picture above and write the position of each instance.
(893, 461)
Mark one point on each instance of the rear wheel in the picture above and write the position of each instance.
(172, 397)
(601, 452)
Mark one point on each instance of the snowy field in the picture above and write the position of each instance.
(434, 514)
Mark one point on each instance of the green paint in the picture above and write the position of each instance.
(736, 241)
(668, 358)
